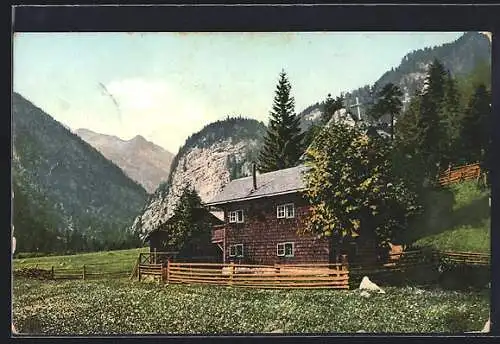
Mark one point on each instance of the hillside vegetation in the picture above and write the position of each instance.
(456, 218)
(460, 57)
(67, 196)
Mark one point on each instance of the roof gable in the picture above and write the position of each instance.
(284, 181)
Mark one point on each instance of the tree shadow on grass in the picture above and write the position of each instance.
(439, 215)
(473, 214)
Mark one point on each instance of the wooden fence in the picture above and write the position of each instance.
(84, 272)
(459, 174)
(466, 258)
(310, 276)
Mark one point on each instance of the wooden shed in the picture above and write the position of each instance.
(199, 248)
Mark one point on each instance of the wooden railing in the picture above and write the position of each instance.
(155, 257)
(155, 270)
(467, 258)
(84, 272)
(217, 234)
(459, 174)
(310, 276)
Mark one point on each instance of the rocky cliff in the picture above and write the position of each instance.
(209, 159)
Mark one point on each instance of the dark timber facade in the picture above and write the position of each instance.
(263, 218)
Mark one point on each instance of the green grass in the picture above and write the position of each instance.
(456, 218)
(107, 261)
(123, 307)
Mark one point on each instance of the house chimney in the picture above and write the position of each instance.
(254, 175)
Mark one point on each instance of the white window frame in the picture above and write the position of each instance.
(236, 250)
(234, 218)
(283, 211)
(281, 249)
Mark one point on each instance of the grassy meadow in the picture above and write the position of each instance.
(103, 262)
(456, 218)
(121, 306)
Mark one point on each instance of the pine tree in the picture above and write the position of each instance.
(407, 157)
(330, 107)
(476, 130)
(451, 117)
(431, 133)
(389, 103)
(186, 225)
(283, 144)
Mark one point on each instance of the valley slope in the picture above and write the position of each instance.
(67, 195)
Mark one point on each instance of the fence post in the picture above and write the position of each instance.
(83, 272)
(276, 273)
(52, 272)
(231, 272)
(168, 269)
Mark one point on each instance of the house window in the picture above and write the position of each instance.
(285, 249)
(236, 216)
(236, 251)
(285, 211)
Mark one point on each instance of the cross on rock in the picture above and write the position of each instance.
(357, 105)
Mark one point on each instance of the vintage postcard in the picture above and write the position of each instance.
(221, 183)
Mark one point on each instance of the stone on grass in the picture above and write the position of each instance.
(364, 293)
(486, 327)
(366, 284)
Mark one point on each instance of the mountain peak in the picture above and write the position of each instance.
(139, 138)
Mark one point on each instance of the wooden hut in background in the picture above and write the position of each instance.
(197, 248)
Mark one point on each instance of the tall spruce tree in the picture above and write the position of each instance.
(186, 227)
(283, 143)
(432, 137)
(408, 162)
(475, 133)
(451, 117)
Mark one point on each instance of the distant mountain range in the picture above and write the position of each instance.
(460, 57)
(67, 195)
(143, 161)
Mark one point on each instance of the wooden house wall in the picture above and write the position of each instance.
(262, 231)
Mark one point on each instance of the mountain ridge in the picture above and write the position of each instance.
(72, 193)
(459, 57)
(144, 161)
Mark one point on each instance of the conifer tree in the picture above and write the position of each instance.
(186, 226)
(475, 133)
(283, 144)
(451, 117)
(330, 107)
(389, 103)
(432, 138)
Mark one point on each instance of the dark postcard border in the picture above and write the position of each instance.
(368, 17)
(272, 18)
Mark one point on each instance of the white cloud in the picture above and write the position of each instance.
(161, 111)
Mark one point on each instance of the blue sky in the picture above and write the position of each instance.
(169, 85)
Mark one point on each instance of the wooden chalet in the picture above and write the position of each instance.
(262, 216)
(199, 248)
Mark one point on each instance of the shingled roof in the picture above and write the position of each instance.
(279, 182)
